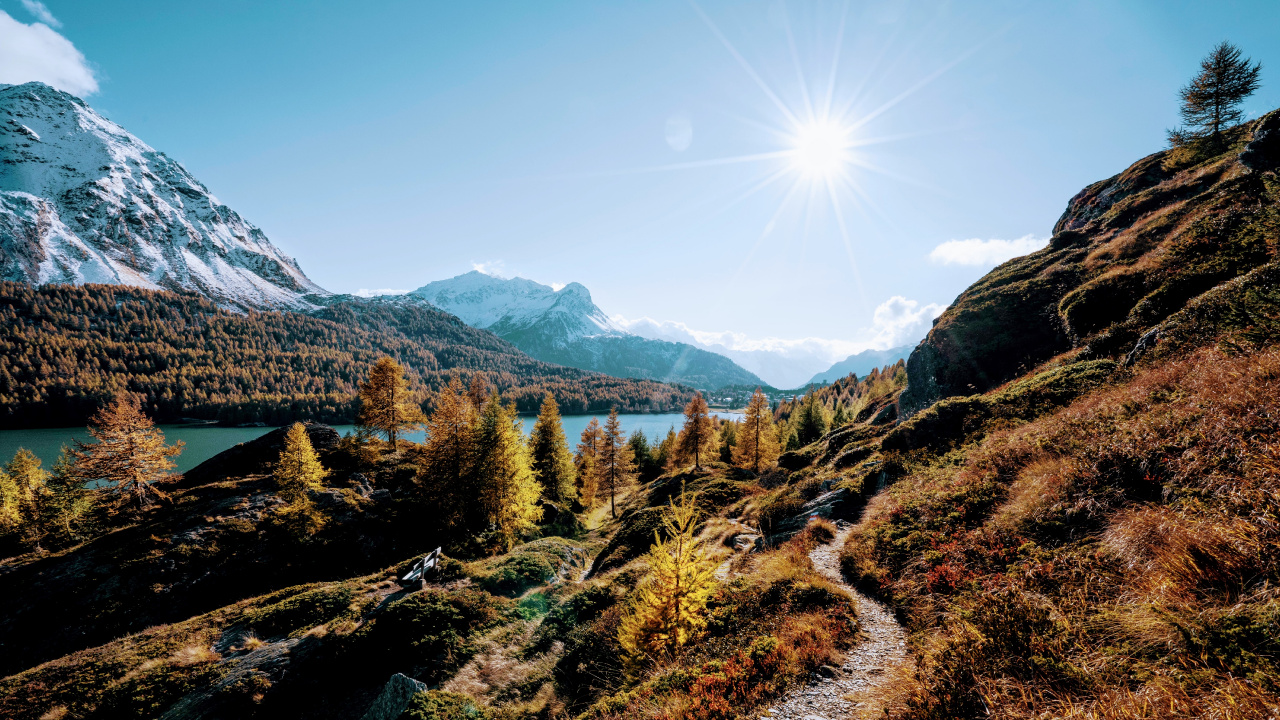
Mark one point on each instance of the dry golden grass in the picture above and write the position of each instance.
(1092, 556)
(251, 642)
(195, 655)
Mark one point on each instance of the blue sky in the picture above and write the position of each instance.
(387, 145)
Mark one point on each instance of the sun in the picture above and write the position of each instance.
(820, 149)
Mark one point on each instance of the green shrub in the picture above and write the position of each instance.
(441, 705)
(435, 630)
(302, 611)
(518, 573)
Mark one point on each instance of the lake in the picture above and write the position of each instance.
(204, 441)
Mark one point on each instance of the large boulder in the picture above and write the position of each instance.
(395, 698)
(1263, 151)
(257, 456)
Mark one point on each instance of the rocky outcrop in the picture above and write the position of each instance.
(395, 697)
(257, 456)
(1127, 253)
(1263, 151)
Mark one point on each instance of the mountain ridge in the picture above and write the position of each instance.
(862, 363)
(564, 326)
(82, 200)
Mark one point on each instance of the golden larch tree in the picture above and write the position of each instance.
(128, 456)
(298, 472)
(616, 462)
(10, 503)
(386, 405)
(668, 610)
(507, 491)
(587, 461)
(757, 447)
(448, 454)
(552, 462)
(698, 434)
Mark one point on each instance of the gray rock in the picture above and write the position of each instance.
(395, 697)
(1263, 152)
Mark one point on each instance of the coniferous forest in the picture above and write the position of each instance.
(64, 350)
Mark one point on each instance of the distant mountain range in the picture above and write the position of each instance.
(565, 327)
(862, 363)
(84, 201)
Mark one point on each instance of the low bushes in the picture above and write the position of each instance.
(1115, 559)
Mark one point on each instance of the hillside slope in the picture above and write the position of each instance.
(1093, 533)
(64, 349)
(84, 201)
(1128, 253)
(565, 327)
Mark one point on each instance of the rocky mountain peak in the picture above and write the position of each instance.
(82, 200)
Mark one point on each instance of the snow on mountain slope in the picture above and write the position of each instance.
(565, 327)
(84, 201)
(504, 305)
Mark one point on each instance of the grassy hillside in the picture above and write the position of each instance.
(64, 349)
(1081, 520)
(1096, 534)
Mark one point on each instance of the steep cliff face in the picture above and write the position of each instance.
(84, 201)
(1128, 253)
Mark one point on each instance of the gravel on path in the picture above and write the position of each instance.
(882, 647)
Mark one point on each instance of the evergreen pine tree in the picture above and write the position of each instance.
(728, 440)
(69, 505)
(698, 433)
(840, 417)
(1211, 101)
(811, 420)
(615, 460)
(757, 437)
(128, 456)
(588, 463)
(669, 608)
(646, 467)
(552, 462)
(507, 491)
(448, 456)
(793, 440)
(385, 402)
(31, 481)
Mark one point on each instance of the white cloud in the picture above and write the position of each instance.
(36, 52)
(367, 293)
(557, 286)
(790, 362)
(899, 320)
(984, 252)
(37, 8)
(493, 268)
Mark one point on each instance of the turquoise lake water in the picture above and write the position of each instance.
(203, 442)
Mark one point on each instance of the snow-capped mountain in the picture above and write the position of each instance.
(564, 326)
(507, 306)
(84, 201)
